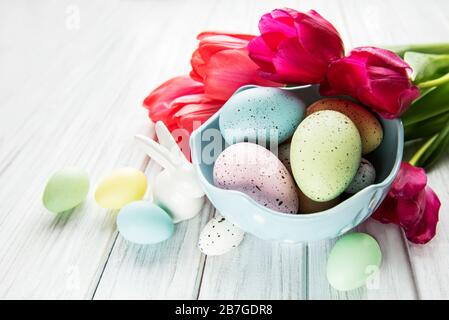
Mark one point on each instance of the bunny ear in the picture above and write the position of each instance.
(156, 152)
(166, 140)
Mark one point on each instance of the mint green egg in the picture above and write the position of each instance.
(143, 222)
(354, 258)
(325, 154)
(66, 189)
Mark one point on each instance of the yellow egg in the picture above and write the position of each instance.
(369, 127)
(121, 187)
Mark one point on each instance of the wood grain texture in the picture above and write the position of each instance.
(73, 77)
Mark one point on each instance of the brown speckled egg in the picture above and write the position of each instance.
(257, 172)
(307, 205)
(369, 127)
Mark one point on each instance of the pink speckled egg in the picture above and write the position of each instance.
(257, 172)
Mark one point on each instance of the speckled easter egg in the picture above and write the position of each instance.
(307, 205)
(325, 154)
(261, 115)
(143, 222)
(219, 236)
(284, 155)
(354, 258)
(121, 187)
(369, 127)
(257, 172)
(365, 176)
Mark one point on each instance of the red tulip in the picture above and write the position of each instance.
(222, 63)
(411, 204)
(295, 47)
(376, 77)
(180, 101)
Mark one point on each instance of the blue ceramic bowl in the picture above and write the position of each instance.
(268, 224)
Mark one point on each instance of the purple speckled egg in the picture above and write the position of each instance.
(257, 172)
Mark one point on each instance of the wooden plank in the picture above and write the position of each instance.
(83, 110)
(429, 262)
(257, 269)
(173, 269)
(169, 270)
(367, 24)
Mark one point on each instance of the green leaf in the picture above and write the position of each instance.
(434, 48)
(427, 67)
(432, 150)
(434, 103)
(425, 128)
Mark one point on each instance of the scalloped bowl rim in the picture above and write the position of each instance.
(387, 181)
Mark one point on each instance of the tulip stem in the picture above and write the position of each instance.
(421, 150)
(434, 82)
(433, 48)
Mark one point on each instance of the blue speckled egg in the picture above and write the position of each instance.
(261, 115)
(143, 222)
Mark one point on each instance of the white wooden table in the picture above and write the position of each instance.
(73, 75)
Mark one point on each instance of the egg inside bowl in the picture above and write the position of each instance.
(206, 144)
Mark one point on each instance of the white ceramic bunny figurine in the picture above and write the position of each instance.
(176, 188)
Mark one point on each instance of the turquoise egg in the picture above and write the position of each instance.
(261, 115)
(66, 189)
(143, 222)
(354, 258)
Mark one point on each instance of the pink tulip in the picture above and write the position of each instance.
(222, 63)
(376, 77)
(220, 66)
(295, 47)
(411, 204)
(180, 101)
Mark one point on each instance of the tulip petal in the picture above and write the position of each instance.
(409, 181)
(261, 54)
(386, 213)
(425, 230)
(411, 204)
(160, 101)
(296, 65)
(319, 36)
(376, 77)
(295, 47)
(228, 70)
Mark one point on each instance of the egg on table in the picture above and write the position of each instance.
(260, 115)
(65, 189)
(121, 187)
(354, 258)
(257, 172)
(219, 236)
(369, 127)
(325, 154)
(365, 176)
(143, 222)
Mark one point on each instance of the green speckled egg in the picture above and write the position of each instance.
(369, 127)
(353, 259)
(65, 189)
(325, 154)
